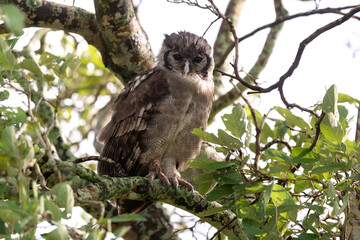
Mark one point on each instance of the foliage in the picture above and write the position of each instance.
(300, 191)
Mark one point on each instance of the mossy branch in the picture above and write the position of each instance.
(102, 188)
(126, 51)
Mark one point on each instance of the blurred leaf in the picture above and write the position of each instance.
(300, 185)
(4, 95)
(229, 177)
(234, 122)
(249, 188)
(264, 200)
(212, 211)
(278, 155)
(7, 59)
(346, 98)
(14, 18)
(252, 227)
(220, 191)
(332, 167)
(65, 196)
(318, 209)
(280, 197)
(9, 138)
(127, 217)
(55, 211)
(60, 233)
(285, 209)
(30, 65)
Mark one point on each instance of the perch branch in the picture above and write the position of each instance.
(56, 16)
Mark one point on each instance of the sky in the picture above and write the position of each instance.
(326, 61)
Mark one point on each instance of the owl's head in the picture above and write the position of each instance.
(187, 54)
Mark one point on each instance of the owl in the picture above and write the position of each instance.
(150, 132)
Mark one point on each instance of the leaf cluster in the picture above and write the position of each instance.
(306, 171)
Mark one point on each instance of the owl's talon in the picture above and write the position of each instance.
(186, 184)
(174, 181)
(152, 174)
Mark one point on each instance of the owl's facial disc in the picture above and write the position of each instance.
(186, 68)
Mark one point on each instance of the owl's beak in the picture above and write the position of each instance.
(186, 67)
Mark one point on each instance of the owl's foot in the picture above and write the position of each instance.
(176, 181)
(155, 171)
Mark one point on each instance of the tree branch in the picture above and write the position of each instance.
(226, 99)
(279, 84)
(102, 188)
(139, 188)
(128, 51)
(60, 17)
(282, 20)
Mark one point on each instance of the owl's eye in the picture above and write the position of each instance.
(177, 56)
(197, 59)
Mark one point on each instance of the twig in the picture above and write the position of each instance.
(281, 20)
(317, 126)
(225, 226)
(210, 26)
(274, 141)
(95, 158)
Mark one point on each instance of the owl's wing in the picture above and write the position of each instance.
(131, 112)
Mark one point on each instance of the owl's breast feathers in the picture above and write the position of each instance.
(152, 111)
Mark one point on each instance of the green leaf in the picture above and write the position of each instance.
(297, 159)
(205, 177)
(30, 65)
(9, 138)
(228, 140)
(277, 155)
(220, 191)
(20, 116)
(329, 104)
(249, 188)
(14, 18)
(7, 59)
(264, 200)
(280, 196)
(209, 137)
(4, 95)
(318, 209)
(127, 217)
(208, 164)
(211, 211)
(307, 236)
(234, 122)
(65, 197)
(332, 129)
(55, 211)
(229, 177)
(284, 209)
(252, 227)
(346, 98)
(332, 167)
(300, 185)
(60, 233)
(293, 120)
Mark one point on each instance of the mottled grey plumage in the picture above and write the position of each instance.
(150, 133)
